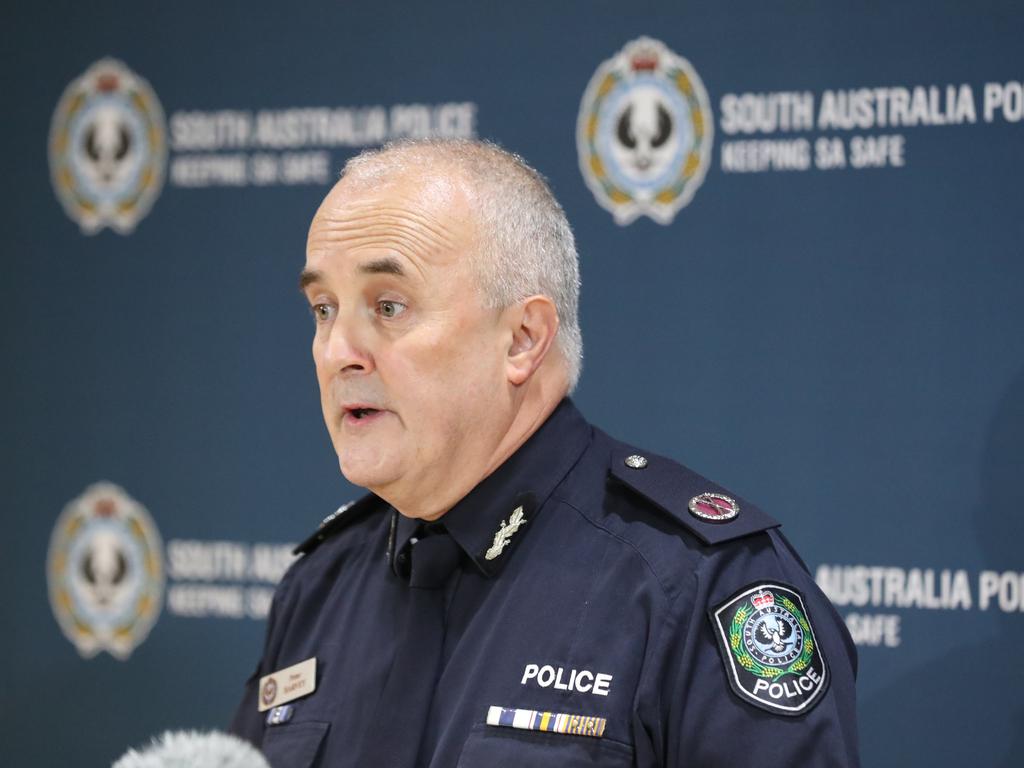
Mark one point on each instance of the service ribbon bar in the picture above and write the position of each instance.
(552, 722)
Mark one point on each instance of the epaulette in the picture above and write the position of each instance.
(709, 511)
(343, 516)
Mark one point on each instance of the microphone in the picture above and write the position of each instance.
(193, 749)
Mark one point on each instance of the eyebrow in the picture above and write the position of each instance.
(386, 266)
(389, 265)
(308, 276)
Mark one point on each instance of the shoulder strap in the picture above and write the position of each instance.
(671, 487)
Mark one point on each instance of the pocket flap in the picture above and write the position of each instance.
(294, 745)
(493, 747)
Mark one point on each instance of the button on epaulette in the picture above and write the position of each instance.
(338, 519)
(712, 513)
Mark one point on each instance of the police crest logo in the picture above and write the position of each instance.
(108, 148)
(105, 572)
(644, 132)
(268, 691)
(771, 656)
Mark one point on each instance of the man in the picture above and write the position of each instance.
(518, 589)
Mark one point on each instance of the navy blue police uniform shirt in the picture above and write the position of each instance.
(638, 615)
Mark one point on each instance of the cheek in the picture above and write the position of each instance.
(445, 379)
(474, 389)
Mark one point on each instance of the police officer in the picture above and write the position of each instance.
(518, 589)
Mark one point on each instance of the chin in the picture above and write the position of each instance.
(367, 474)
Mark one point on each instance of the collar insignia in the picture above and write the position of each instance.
(504, 534)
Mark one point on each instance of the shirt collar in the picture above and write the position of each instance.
(526, 479)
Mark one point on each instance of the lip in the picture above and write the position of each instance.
(361, 415)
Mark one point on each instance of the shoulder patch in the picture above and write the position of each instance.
(712, 513)
(771, 656)
(344, 515)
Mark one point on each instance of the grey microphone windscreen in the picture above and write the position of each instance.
(193, 749)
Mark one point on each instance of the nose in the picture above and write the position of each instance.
(344, 348)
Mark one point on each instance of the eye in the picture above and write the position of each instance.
(390, 309)
(321, 312)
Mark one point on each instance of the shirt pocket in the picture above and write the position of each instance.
(294, 745)
(491, 746)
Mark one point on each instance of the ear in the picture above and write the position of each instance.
(534, 323)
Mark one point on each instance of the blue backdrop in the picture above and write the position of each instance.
(831, 325)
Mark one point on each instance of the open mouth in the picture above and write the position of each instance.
(361, 414)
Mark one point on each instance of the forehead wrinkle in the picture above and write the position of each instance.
(394, 229)
(419, 218)
(375, 233)
(420, 225)
(401, 242)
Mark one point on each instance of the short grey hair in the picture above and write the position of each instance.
(528, 243)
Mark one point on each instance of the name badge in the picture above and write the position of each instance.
(287, 684)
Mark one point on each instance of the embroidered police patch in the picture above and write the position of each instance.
(771, 656)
